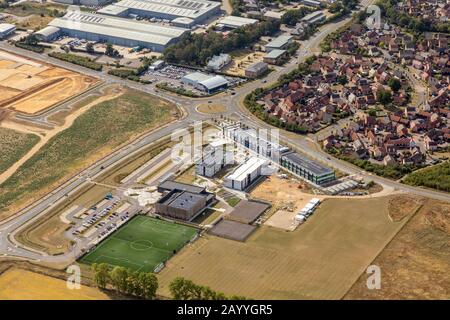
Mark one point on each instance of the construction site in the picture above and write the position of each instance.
(31, 87)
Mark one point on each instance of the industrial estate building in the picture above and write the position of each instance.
(182, 201)
(233, 22)
(6, 29)
(307, 168)
(245, 174)
(314, 17)
(118, 31)
(89, 3)
(280, 42)
(218, 62)
(256, 70)
(182, 12)
(275, 56)
(205, 82)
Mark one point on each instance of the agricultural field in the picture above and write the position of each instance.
(416, 263)
(31, 87)
(14, 145)
(321, 259)
(19, 284)
(142, 244)
(94, 134)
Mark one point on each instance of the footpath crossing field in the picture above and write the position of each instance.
(141, 244)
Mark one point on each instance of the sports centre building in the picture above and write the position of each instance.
(114, 30)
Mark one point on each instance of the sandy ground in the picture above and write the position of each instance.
(239, 64)
(30, 87)
(50, 133)
(289, 196)
(18, 284)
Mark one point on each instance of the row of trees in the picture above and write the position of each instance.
(183, 289)
(195, 49)
(126, 281)
(436, 177)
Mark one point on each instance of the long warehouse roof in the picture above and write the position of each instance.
(308, 164)
(181, 8)
(117, 27)
(241, 172)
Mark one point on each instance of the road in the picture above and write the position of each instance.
(305, 144)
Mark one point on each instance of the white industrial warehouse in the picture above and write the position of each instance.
(244, 175)
(233, 22)
(205, 82)
(181, 12)
(118, 31)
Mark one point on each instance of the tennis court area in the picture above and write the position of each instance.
(142, 244)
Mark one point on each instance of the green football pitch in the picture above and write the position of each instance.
(141, 244)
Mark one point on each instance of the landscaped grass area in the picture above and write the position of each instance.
(13, 146)
(93, 135)
(436, 177)
(142, 244)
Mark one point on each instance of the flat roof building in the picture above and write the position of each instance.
(314, 17)
(182, 201)
(255, 70)
(118, 31)
(90, 3)
(244, 175)
(307, 168)
(262, 144)
(196, 10)
(280, 42)
(233, 22)
(6, 29)
(274, 56)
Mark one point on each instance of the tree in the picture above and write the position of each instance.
(394, 84)
(110, 51)
(119, 276)
(180, 288)
(148, 285)
(90, 47)
(183, 289)
(31, 40)
(384, 97)
(101, 274)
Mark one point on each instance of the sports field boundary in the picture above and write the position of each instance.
(143, 243)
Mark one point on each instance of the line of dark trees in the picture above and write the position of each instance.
(196, 49)
(126, 281)
(183, 289)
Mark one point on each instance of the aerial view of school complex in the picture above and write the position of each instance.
(224, 150)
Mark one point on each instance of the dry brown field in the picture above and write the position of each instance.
(19, 284)
(321, 259)
(30, 87)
